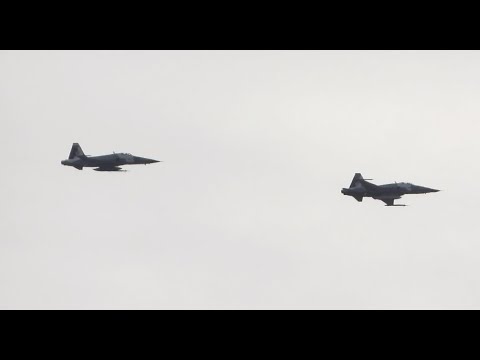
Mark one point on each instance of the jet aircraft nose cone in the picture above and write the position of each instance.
(141, 160)
(428, 190)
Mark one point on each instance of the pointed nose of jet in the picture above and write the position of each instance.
(141, 160)
(425, 190)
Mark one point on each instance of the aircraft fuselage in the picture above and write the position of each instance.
(111, 162)
(361, 188)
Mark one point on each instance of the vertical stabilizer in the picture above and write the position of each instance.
(76, 151)
(356, 179)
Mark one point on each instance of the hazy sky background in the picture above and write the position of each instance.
(246, 210)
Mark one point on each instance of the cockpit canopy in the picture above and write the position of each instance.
(406, 186)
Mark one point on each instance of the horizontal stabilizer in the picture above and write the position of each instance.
(358, 198)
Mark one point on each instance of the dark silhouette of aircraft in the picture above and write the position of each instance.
(388, 193)
(111, 162)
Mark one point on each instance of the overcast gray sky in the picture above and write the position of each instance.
(245, 212)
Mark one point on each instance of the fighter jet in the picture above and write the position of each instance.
(388, 193)
(111, 162)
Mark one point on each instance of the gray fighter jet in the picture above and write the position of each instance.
(388, 193)
(112, 162)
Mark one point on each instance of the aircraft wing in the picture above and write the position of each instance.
(389, 202)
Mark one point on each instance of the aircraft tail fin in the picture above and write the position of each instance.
(76, 151)
(359, 198)
(356, 179)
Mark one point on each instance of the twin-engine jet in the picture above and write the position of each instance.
(388, 193)
(111, 162)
